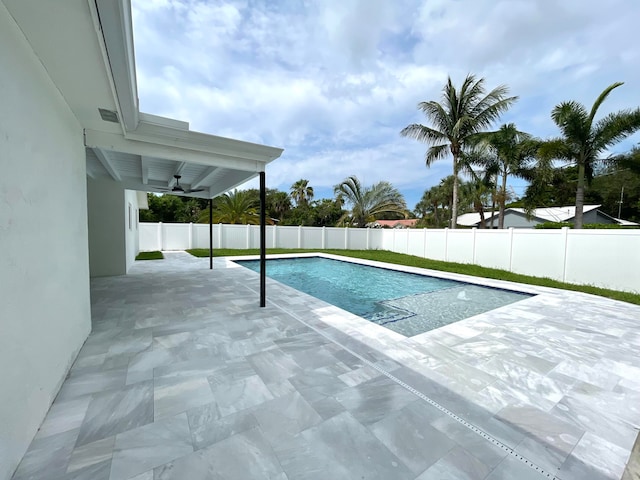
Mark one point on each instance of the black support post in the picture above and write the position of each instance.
(211, 234)
(263, 240)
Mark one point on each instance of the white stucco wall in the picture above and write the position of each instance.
(131, 227)
(113, 227)
(44, 267)
(107, 210)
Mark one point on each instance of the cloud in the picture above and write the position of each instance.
(334, 82)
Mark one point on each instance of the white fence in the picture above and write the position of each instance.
(605, 258)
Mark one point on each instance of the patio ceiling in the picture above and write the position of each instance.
(149, 158)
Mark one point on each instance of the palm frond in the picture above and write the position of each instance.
(423, 133)
(556, 149)
(572, 119)
(615, 127)
(601, 98)
(489, 111)
(436, 152)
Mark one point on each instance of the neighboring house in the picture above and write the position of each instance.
(408, 223)
(75, 153)
(517, 218)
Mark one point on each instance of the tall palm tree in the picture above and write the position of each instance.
(237, 207)
(510, 153)
(369, 203)
(301, 192)
(583, 139)
(459, 116)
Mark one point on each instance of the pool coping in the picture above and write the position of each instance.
(364, 329)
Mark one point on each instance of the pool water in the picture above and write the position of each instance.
(406, 303)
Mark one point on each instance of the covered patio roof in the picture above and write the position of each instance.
(91, 60)
(162, 154)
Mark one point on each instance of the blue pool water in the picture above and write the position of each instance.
(407, 303)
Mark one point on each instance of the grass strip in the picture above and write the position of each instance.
(156, 255)
(413, 261)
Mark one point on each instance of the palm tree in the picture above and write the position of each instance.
(279, 203)
(510, 153)
(237, 207)
(475, 193)
(460, 115)
(430, 202)
(583, 140)
(301, 192)
(369, 203)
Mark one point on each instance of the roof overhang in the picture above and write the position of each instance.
(90, 58)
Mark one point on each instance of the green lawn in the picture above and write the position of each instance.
(150, 256)
(410, 260)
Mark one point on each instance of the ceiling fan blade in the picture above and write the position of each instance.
(196, 190)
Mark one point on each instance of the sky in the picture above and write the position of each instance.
(334, 81)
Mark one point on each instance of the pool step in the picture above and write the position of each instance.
(382, 317)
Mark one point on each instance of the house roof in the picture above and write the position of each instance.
(626, 223)
(410, 222)
(91, 61)
(546, 214)
(473, 219)
(556, 214)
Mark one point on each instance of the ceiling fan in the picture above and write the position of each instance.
(177, 188)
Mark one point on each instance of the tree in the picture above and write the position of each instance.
(278, 204)
(433, 204)
(456, 120)
(475, 193)
(172, 208)
(511, 153)
(369, 203)
(237, 207)
(583, 139)
(301, 192)
(328, 212)
(549, 187)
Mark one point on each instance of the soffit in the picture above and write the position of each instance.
(63, 35)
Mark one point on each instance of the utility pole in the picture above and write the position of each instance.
(620, 202)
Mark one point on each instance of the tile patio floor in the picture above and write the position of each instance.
(184, 377)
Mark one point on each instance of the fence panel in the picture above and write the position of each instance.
(538, 252)
(149, 236)
(436, 244)
(493, 248)
(311, 237)
(287, 237)
(606, 258)
(175, 236)
(356, 238)
(334, 237)
(415, 242)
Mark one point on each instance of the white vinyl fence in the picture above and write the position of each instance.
(605, 258)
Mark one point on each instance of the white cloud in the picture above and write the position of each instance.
(334, 82)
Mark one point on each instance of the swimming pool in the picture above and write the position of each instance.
(406, 303)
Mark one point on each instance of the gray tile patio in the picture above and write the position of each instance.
(183, 376)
